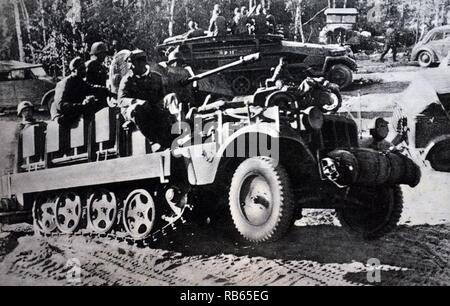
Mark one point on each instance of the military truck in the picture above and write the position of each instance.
(261, 158)
(203, 53)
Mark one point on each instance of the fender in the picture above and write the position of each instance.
(47, 98)
(203, 161)
(345, 60)
(415, 56)
(433, 144)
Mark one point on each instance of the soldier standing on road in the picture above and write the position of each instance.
(74, 97)
(96, 72)
(140, 97)
(391, 42)
(218, 23)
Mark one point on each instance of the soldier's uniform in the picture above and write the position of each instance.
(218, 25)
(378, 140)
(177, 75)
(70, 93)
(260, 22)
(140, 99)
(390, 43)
(96, 73)
(240, 24)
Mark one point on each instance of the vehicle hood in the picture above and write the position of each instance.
(424, 91)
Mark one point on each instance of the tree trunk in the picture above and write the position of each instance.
(171, 17)
(18, 31)
(44, 32)
(436, 12)
(299, 23)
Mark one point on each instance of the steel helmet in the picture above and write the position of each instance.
(22, 106)
(98, 47)
(175, 56)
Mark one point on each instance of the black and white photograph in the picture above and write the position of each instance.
(225, 147)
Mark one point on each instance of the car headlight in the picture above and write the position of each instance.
(313, 118)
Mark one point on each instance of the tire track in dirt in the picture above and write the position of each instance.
(309, 256)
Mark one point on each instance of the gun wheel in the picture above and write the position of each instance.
(102, 211)
(139, 214)
(260, 199)
(44, 219)
(68, 212)
(241, 85)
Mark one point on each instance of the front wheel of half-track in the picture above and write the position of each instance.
(261, 202)
(372, 213)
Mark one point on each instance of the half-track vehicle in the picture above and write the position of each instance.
(204, 53)
(261, 158)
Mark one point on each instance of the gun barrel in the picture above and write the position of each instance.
(244, 60)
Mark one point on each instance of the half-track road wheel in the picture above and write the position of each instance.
(260, 199)
(44, 219)
(68, 212)
(371, 214)
(102, 211)
(241, 85)
(139, 214)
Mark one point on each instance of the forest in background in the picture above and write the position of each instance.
(54, 31)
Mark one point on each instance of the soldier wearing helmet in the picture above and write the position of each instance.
(218, 23)
(140, 97)
(379, 133)
(74, 97)
(96, 72)
(178, 72)
(25, 111)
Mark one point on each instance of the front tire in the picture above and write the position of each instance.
(341, 75)
(261, 201)
(374, 213)
(439, 156)
(425, 59)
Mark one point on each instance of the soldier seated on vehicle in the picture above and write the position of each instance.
(379, 134)
(194, 30)
(74, 97)
(25, 110)
(140, 98)
(260, 26)
(96, 72)
(179, 73)
(271, 22)
(218, 23)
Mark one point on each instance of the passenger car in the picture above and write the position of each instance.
(422, 114)
(22, 82)
(433, 48)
